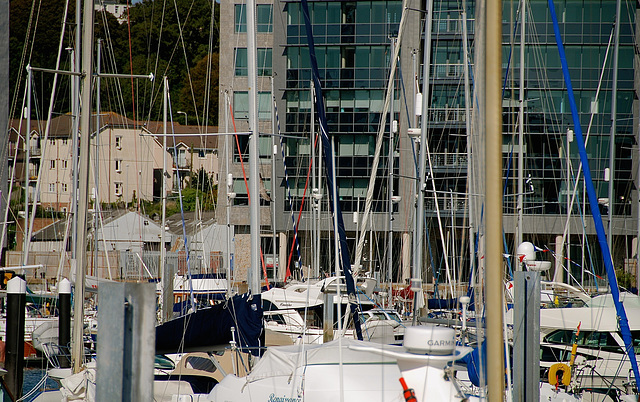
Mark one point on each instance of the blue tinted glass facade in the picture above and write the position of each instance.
(352, 48)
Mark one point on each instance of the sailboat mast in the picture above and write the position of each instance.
(229, 187)
(493, 200)
(314, 187)
(167, 279)
(422, 183)
(612, 139)
(470, 171)
(75, 110)
(274, 153)
(253, 277)
(27, 144)
(390, 190)
(520, 206)
(96, 173)
(77, 354)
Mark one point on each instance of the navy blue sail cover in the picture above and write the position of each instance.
(209, 327)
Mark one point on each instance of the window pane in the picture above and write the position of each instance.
(378, 12)
(293, 10)
(318, 13)
(263, 17)
(333, 57)
(333, 13)
(363, 9)
(241, 62)
(379, 56)
(264, 62)
(264, 105)
(241, 104)
(362, 57)
(241, 18)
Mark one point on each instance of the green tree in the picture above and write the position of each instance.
(195, 90)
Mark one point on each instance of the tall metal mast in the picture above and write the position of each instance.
(253, 278)
(83, 175)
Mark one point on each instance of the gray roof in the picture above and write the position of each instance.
(174, 222)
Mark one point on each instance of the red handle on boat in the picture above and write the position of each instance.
(408, 393)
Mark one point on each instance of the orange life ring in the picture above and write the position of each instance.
(559, 373)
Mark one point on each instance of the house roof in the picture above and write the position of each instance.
(52, 232)
(130, 226)
(61, 127)
(190, 136)
(174, 222)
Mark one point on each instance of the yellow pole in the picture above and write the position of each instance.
(493, 202)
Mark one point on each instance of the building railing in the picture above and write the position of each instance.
(449, 159)
(446, 203)
(448, 70)
(447, 114)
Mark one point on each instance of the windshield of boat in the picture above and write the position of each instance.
(589, 339)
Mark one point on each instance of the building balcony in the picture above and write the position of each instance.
(447, 114)
(449, 160)
(182, 165)
(35, 151)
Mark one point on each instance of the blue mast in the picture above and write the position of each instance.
(326, 145)
(593, 203)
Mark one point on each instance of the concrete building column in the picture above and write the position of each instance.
(282, 256)
(406, 256)
(558, 275)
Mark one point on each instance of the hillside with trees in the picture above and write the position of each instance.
(177, 39)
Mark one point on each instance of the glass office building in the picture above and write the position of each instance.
(353, 45)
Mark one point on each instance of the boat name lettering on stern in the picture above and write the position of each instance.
(274, 398)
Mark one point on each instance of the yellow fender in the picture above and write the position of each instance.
(561, 373)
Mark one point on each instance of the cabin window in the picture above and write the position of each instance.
(277, 318)
(590, 339)
(200, 363)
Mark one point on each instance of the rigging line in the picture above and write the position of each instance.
(148, 92)
(296, 240)
(133, 108)
(330, 167)
(304, 194)
(379, 139)
(111, 58)
(184, 52)
(29, 231)
(22, 63)
(593, 202)
(184, 230)
(405, 201)
(207, 92)
(244, 176)
(576, 181)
